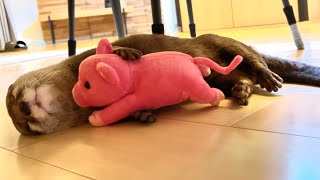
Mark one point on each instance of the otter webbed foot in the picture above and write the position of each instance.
(144, 116)
(241, 91)
(269, 80)
(129, 54)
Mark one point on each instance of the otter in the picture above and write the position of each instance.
(41, 101)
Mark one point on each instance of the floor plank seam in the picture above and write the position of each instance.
(274, 132)
(19, 154)
(57, 133)
(257, 110)
(257, 130)
(53, 165)
(5, 149)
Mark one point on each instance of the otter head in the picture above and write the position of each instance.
(41, 101)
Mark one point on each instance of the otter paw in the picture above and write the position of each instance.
(128, 53)
(145, 116)
(269, 80)
(241, 92)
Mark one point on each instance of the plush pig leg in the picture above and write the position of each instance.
(219, 94)
(205, 94)
(115, 112)
(205, 70)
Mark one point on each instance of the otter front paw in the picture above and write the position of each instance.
(241, 92)
(269, 80)
(127, 53)
(145, 116)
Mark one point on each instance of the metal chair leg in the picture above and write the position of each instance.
(192, 26)
(71, 42)
(117, 16)
(288, 10)
(157, 26)
(303, 10)
(53, 39)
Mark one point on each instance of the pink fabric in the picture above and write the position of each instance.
(156, 80)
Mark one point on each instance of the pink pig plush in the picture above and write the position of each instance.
(156, 80)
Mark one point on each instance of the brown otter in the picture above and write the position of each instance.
(41, 101)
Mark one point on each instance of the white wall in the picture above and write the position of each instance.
(23, 16)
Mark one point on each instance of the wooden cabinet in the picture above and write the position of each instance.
(259, 12)
(220, 14)
(93, 20)
(314, 9)
(208, 14)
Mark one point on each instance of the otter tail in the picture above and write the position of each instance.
(203, 62)
(293, 72)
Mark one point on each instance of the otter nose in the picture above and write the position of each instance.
(24, 108)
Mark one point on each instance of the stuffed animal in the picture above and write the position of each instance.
(153, 81)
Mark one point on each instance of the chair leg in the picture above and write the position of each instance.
(288, 10)
(117, 16)
(53, 39)
(192, 26)
(71, 42)
(157, 26)
(303, 10)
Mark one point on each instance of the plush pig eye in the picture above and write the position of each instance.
(87, 85)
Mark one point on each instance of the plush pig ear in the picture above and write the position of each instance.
(108, 73)
(104, 47)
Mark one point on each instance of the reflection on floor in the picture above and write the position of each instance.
(274, 137)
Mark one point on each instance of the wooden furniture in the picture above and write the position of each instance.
(157, 26)
(86, 16)
(116, 12)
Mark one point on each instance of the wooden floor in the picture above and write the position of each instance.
(275, 137)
